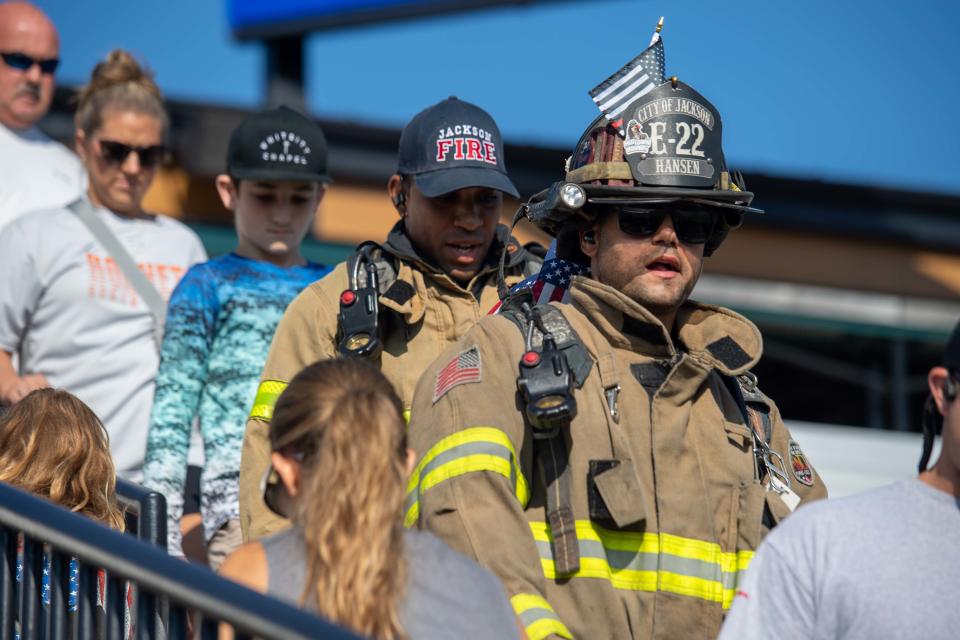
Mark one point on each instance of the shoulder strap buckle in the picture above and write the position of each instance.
(756, 414)
(546, 383)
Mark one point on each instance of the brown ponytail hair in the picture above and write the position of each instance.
(54, 446)
(118, 83)
(346, 421)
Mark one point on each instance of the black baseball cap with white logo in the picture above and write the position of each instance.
(453, 145)
(279, 144)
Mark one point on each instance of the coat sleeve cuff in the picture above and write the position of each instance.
(538, 617)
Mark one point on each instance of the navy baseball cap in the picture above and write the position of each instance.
(453, 145)
(279, 144)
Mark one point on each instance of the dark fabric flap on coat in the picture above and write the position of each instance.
(406, 295)
(728, 340)
(622, 493)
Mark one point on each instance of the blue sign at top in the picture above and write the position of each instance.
(272, 18)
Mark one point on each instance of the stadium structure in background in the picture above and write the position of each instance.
(261, 19)
(281, 25)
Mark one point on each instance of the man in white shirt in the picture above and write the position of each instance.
(37, 172)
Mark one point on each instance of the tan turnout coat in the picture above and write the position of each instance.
(687, 505)
(437, 314)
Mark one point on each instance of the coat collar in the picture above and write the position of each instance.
(398, 244)
(716, 336)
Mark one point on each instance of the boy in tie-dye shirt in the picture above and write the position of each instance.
(223, 315)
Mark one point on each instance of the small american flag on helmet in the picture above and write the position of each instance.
(635, 79)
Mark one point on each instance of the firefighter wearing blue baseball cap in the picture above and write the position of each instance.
(399, 302)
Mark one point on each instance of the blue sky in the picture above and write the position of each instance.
(852, 91)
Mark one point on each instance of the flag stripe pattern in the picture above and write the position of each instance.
(610, 108)
(637, 78)
(463, 368)
(552, 284)
(625, 78)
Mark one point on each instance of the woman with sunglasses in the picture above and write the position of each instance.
(67, 308)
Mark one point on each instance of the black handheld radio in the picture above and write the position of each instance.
(359, 335)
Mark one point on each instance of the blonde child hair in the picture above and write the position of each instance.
(53, 445)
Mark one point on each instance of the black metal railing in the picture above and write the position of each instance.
(117, 577)
(145, 516)
(145, 512)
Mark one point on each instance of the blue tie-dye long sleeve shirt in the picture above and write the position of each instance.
(220, 323)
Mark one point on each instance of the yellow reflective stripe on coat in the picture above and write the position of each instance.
(267, 394)
(649, 561)
(538, 617)
(468, 451)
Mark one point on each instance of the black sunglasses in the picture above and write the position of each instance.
(116, 153)
(23, 62)
(693, 225)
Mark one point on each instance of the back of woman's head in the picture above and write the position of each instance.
(54, 446)
(118, 83)
(344, 421)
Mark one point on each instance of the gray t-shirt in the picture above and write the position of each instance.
(881, 564)
(71, 314)
(448, 595)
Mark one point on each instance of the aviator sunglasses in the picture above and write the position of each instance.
(23, 62)
(693, 225)
(116, 153)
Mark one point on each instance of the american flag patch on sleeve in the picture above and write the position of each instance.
(462, 369)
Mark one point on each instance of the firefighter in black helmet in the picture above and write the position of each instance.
(612, 459)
